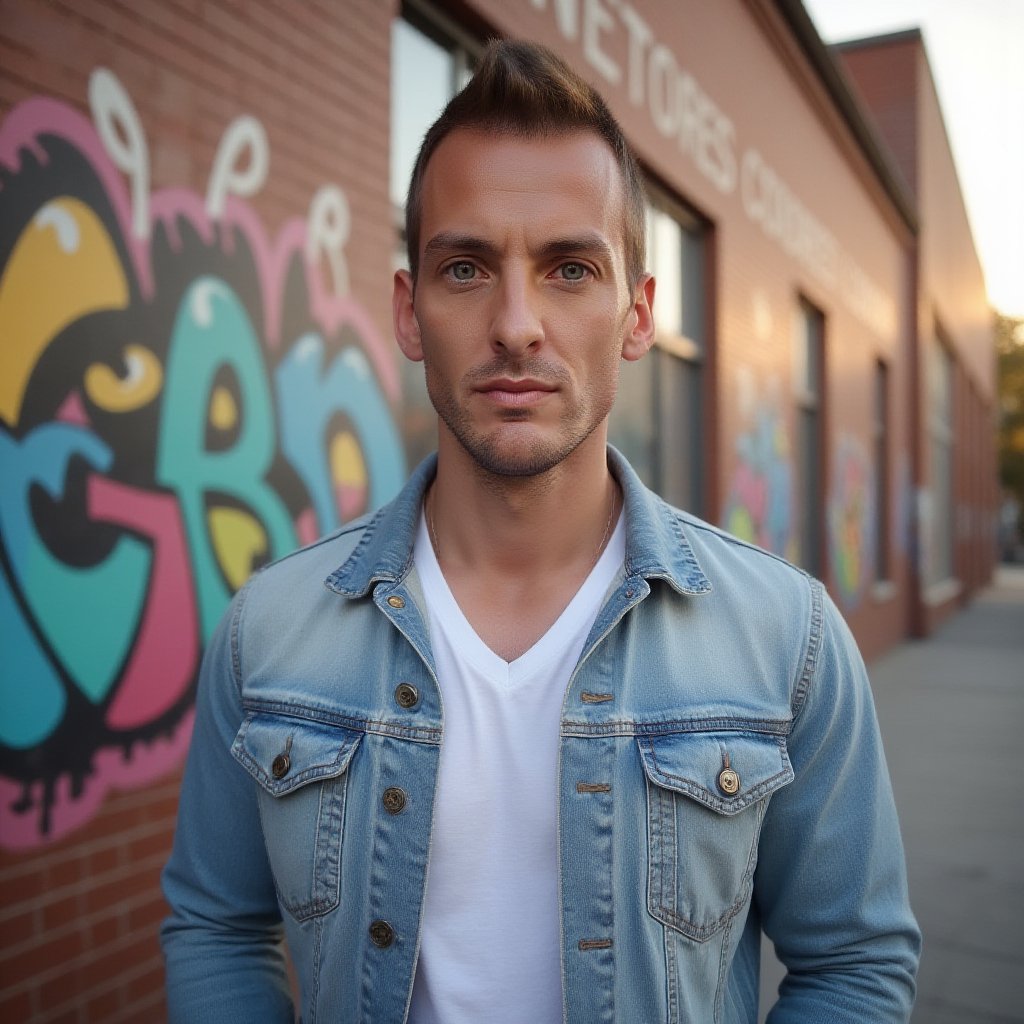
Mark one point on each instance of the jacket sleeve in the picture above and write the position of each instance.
(223, 939)
(830, 884)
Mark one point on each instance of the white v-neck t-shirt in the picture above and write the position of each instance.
(490, 939)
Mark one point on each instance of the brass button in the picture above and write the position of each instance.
(381, 934)
(394, 800)
(396, 602)
(407, 695)
(728, 782)
(280, 765)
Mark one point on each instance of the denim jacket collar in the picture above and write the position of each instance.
(656, 542)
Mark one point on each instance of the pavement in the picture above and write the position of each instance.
(951, 709)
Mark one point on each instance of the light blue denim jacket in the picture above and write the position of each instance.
(318, 701)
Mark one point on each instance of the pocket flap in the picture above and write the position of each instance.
(692, 763)
(283, 753)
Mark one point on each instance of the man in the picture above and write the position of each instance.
(542, 748)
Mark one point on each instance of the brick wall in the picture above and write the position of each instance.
(79, 875)
(80, 917)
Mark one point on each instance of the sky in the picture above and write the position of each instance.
(976, 53)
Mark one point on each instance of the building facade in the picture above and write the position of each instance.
(200, 214)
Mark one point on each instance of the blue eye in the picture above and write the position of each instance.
(462, 271)
(573, 271)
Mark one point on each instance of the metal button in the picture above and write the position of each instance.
(407, 695)
(728, 782)
(382, 934)
(396, 602)
(394, 800)
(280, 765)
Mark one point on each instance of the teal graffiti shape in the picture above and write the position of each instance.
(308, 398)
(212, 333)
(31, 694)
(88, 615)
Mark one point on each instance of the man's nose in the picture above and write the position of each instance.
(517, 325)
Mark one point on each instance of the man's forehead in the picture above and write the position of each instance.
(510, 159)
(570, 181)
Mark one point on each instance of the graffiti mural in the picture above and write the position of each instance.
(182, 399)
(851, 519)
(760, 504)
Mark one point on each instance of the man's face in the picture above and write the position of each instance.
(521, 309)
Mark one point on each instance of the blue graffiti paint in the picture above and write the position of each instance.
(88, 615)
(308, 399)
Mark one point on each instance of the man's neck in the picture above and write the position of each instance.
(515, 550)
(485, 523)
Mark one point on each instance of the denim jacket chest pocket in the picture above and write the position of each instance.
(707, 793)
(300, 768)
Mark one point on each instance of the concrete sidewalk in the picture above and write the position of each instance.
(952, 714)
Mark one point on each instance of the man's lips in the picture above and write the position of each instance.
(509, 391)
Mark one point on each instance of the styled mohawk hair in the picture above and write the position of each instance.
(523, 89)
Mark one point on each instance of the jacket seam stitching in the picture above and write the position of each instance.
(815, 630)
(236, 633)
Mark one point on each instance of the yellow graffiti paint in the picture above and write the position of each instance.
(238, 541)
(347, 466)
(223, 409)
(138, 387)
(63, 266)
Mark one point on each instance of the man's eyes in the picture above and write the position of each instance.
(571, 272)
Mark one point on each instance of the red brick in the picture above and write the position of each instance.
(103, 860)
(21, 888)
(157, 844)
(40, 957)
(64, 872)
(61, 912)
(16, 1008)
(146, 916)
(70, 1016)
(151, 1010)
(144, 984)
(59, 995)
(107, 930)
(128, 882)
(104, 1006)
(20, 927)
(117, 960)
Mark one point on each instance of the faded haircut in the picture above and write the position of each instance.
(523, 89)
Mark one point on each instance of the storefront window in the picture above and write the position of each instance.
(940, 440)
(810, 386)
(657, 418)
(881, 429)
(426, 71)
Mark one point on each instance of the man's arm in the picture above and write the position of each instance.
(831, 878)
(222, 941)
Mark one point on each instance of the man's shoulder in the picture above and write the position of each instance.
(715, 541)
(721, 554)
(312, 564)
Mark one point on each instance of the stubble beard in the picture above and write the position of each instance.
(528, 458)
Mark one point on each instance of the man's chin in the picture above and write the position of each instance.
(517, 454)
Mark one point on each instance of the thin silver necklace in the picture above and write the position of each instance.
(429, 508)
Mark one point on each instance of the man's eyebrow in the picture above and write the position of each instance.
(450, 241)
(589, 244)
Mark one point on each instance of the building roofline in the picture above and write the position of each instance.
(903, 35)
(843, 95)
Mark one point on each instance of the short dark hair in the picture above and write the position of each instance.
(524, 89)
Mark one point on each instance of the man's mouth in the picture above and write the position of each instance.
(516, 392)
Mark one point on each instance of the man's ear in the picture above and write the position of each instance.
(407, 328)
(640, 325)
